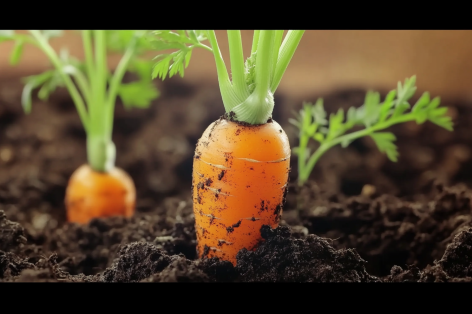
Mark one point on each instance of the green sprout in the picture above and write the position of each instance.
(375, 116)
(90, 83)
(249, 93)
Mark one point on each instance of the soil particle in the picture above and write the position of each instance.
(387, 230)
(277, 210)
(218, 270)
(283, 258)
(231, 116)
(11, 265)
(454, 266)
(206, 250)
(221, 175)
(236, 225)
(457, 260)
(136, 261)
(208, 182)
(12, 234)
(180, 269)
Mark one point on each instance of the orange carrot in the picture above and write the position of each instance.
(240, 175)
(91, 194)
(241, 163)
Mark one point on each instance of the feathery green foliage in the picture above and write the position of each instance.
(90, 83)
(373, 115)
(249, 93)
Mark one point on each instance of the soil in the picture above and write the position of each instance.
(360, 218)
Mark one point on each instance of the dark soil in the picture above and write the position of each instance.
(361, 218)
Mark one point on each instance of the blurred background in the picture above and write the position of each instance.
(327, 60)
(39, 152)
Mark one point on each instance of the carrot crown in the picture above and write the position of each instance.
(87, 82)
(249, 95)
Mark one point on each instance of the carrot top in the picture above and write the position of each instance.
(249, 95)
(90, 84)
(374, 115)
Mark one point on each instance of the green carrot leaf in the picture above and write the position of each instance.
(319, 114)
(336, 124)
(175, 62)
(371, 108)
(387, 105)
(142, 67)
(374, 116)
(16, 52)
(138, 94)
(384, 141)
(33, 82)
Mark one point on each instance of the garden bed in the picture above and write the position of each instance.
(359, 218)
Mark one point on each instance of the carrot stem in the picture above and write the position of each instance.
(230, 98)
(87, 42)
(255, 41)
(237, 63)
(287, 50)
(307, 169)
(78, 101)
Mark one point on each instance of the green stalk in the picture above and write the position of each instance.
(263, 63)
(87, 42)
(120, 72)
(117, 78)
(101, 151)
(302, 150)
(78, 101)
(237, 63)
(258, 107)
(286, 53)
(230, 98)
(81, 80)
(255, 41)
(279, 34)
(303, 176)
(101, 70)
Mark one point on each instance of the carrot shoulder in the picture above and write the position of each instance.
(240, 175)
(92, 194)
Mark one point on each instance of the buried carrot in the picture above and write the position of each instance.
(241, 163)
(240, 176)
(96, 189)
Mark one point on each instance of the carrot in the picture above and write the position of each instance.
(92, 194)
(236, 188)
(241, 163)
(97, 189)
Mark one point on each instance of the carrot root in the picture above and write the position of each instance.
(92, 194)
(240, 177)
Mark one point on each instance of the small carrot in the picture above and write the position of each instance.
(94, 194)
(97, 189)
(241, 163)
